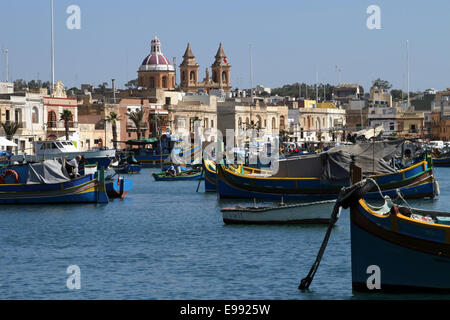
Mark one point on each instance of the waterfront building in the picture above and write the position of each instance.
(192, 108)
(242, 114)
(28, 110)
(345, 92)
(54, 106)
(379, 97)
(356, 113)
(318, 122)
(399, 121)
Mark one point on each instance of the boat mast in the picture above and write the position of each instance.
(52, 51)
(407, 69)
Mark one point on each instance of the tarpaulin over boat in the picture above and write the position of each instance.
(47, 172)
(334, 164)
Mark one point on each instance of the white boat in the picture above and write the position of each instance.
(52, 149)
(302, 213)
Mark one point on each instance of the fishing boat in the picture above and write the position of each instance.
(394, 247)
(320, 177)
(210, 170)
(118, 188)
(416, 181)
(48, 182)
(317, 212)
(193, 174)
(442, 161)
(409, 246)
(53, 149)
(152, 152)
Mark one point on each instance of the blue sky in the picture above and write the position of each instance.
(291, 40)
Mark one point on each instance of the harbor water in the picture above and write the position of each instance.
(166, 241)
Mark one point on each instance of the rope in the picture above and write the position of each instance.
(346, 196)
(305, 282)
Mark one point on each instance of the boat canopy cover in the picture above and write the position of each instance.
(334, 164)
(47, 172)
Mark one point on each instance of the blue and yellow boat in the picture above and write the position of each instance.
(443, 161)
(416, 181)
(409, 247)
(210, 172)
(48, 182)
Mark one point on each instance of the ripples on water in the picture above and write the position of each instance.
(165, 241)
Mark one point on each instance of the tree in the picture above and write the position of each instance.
(132, 84)
(397, 94)
(382, 84)
(137, 117)
(158, 119)
(66, 116)
(20, 84)
(113, 118)
(102, 86)
(10, 128)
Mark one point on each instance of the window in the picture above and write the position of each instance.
(164, 82)
(152, 82)
(35, 115)
(282, 122)
(224, 77)
(192, 76)
(212, 123)
(51, 119)
(168, 100)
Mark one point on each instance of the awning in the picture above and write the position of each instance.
(142, 141)
(370, 133)
(6, 143)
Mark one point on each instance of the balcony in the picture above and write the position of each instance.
(59, 125)
(132, 127)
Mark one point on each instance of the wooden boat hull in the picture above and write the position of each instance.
(118, 188)
(234, 185)
(411, 255)
(210, 176)
(85, 189)
(305, 213)
(210, 171)
(148, 160)
(441, 162)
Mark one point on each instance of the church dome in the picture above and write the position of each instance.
(156, 61)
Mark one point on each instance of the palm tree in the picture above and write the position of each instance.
(113, 118)
(284, 135)
(137, 117)
(10, 128)
(158, 119)
(66, 116)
